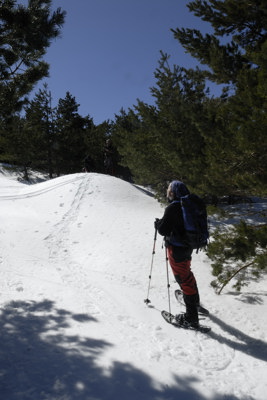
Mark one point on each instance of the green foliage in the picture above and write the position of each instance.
(95, 138)
(235, 125)
(217, 146)
(239, 28)
(39, 126)
(240, 253)
(163, 141)
(220, 213)
(70, 130)
(25, 34)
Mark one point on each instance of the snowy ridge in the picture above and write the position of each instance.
(75, 260)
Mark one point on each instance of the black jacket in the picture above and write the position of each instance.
(171, 226)
(172, 221)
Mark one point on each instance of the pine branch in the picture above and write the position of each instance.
(233, 275)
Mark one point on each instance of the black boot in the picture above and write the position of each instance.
(191, 304)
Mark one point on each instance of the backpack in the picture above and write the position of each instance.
(195, 222)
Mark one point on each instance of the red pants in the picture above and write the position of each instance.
(186, 279)
(183, 274)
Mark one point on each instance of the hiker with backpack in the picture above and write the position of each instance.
(180, 244)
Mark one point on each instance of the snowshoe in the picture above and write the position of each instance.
(180, 322)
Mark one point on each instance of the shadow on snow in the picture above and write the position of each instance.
(240, 341)
(40, 361)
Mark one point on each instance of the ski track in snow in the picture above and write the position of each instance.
(106, 304)
(33, 192)
(220, 361)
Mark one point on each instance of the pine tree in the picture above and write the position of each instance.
(39, 127)
(164, 141)
(19, 144)
(239, 29)
(96, 136)
(25, 34)
(235, 129)
(235, 55)
(238, 255)
(180, 97)
(70, 128)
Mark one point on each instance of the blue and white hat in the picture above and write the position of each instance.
(179, 189)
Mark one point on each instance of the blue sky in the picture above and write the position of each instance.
(109, 50)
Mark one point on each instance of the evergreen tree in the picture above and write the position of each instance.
(238, 255)
(25, 34)
(96, 136)
(19, 145)
(239, 29)
(39, 127)
(136, 140)
(180, 97)
(236, 56)
(164, 141)
(71, 132)
(235, 130)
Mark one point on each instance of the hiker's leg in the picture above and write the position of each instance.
(187, 282)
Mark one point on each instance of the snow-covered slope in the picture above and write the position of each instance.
(75, 260)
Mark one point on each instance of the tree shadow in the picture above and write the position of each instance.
(240, 341)
(249, 298)
(39, 361)
(145, 191)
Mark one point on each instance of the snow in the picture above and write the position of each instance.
(75, 259)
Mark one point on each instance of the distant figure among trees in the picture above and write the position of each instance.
(89, 165)
(109, 157)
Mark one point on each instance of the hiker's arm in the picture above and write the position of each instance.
(165, 224)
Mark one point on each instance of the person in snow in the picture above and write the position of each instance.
(171, 226)
(108, 157)
(89, 165)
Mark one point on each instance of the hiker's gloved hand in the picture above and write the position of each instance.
(156, 223)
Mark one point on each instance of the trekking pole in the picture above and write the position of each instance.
(147, 301)
(168, 280)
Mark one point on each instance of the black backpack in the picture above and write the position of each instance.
(195, 221)
(196, 232)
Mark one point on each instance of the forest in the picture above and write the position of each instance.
(216, 145)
